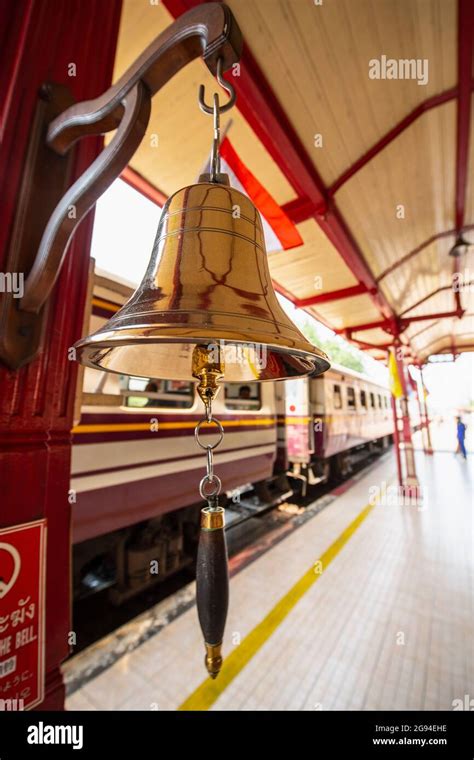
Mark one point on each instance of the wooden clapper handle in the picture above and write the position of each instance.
(212, 584)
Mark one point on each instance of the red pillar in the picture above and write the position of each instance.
(410, 479)
(38, 42)
(396, 441)
(426, 420)
(422, 418)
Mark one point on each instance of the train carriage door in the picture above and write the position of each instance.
(281, 462)
(70, 44)
(299, 427)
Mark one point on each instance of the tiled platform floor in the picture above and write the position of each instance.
(388, 624)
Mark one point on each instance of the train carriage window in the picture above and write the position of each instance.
(363, 399)
(337, 397)
(351, 398)
(142, 393)
(242, 396)
(372, 401)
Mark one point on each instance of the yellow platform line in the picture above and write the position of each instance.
(209, 691)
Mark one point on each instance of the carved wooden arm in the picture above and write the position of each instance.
(82, 195)
(209, 30)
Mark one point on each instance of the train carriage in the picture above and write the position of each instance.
(332, 421)
(356, 411)
(135, 465)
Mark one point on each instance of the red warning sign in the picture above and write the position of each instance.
(22, 600)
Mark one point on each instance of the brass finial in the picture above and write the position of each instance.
(208, 368)
(213, 659)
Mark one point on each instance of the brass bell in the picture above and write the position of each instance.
(207, 283)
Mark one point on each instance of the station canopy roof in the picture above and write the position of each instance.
(377, 174)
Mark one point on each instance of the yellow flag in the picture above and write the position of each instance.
(395, 382)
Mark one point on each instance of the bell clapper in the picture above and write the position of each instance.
(212, 582)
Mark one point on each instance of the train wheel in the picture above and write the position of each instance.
(340, 466)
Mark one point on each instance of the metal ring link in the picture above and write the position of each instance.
(220, 430)
(210, 462)
(213, 480)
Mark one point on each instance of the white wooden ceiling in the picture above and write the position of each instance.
(316, 60)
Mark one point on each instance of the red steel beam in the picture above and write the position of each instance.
(465, 57)
(426, 432)
(336, 230)
(434, 293)
(363, 345)
(445, 349)
(424, 329)
(396, 439)
(420, 247)
(411, 479)
(332, 295)
(401, 323)
(425, 317)
(371, 346)
(299, 209)
(139, 183)
(459, 349)
(453, 344)
(433, 102)
(383, 324)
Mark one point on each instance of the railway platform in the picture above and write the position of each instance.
(363, 601)
(236, 280)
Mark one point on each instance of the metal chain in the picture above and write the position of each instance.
(210, 485)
